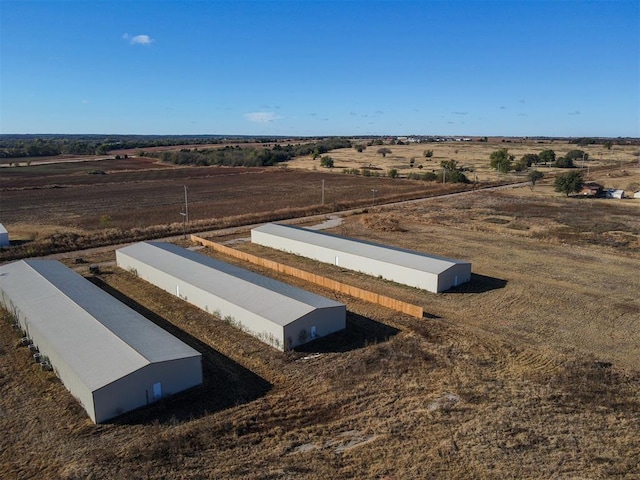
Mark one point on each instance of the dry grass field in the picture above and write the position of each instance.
(473, 155)
(532, 370)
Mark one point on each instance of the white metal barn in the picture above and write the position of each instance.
(4, 237)
(108, 356)
(428, 272)
(278, 314)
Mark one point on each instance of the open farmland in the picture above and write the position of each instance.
(530, 371)
(114, 197)
(471, 155)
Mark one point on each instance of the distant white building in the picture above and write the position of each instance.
(636, 194)
(613, 193)
(279, 314)
(416, 269)
(111, 358)
(4, 237)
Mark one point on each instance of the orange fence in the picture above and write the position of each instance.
(392, 303)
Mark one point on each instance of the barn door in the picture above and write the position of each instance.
(314, 333)
(157, 390)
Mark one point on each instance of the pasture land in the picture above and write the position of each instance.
(472, 155)
(532, 370)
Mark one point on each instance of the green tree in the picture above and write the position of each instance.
(608, 144)
(452, 172)
(501, 160)
(449, 165)
(326, 162)
(568, 183)
(383, 151)
(393, 173)
(577, 155)
(534, 176)
(428, 153)
(530, 159)
(547, 156)
(564, 162)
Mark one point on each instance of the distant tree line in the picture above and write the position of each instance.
(17, 146)
(250, 156)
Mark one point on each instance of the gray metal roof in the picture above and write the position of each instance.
(384, 253)
(2, 229)
(276, 301)
(100, 338)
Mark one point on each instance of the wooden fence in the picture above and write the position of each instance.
(392, 303)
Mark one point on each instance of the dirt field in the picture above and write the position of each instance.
(38, 201)
(532, 370)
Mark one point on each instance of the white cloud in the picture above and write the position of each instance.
(261, 117)
(138, 39)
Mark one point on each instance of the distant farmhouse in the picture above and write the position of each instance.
(416, 269)
(592, 189)
(111, 358)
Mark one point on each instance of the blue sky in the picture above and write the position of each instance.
(553, 68)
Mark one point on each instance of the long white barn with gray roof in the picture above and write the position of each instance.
(416, 269)
(111, 358)
(279, 314)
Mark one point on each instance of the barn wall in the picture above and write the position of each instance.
(454, 276)
(326, 321)
(136, 390)
(370, 266)
(67, 376)
(4, 239)
(256, 325)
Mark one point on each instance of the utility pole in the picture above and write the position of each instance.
(185, 214)
(323, 192)
(186, 205)
(373, 193)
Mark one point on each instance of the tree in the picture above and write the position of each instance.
(452, 173)
(547, 156)
(428, 153)
(577, 155)
(534, 176)
(564, 162)
(530, 159)
(501, 160)
(568, 183)
(526, 161)
(383, 151)
(412, 162)
(326, 162)
(449, 165)
(360, 148)
(608, 144)
(393, 173)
